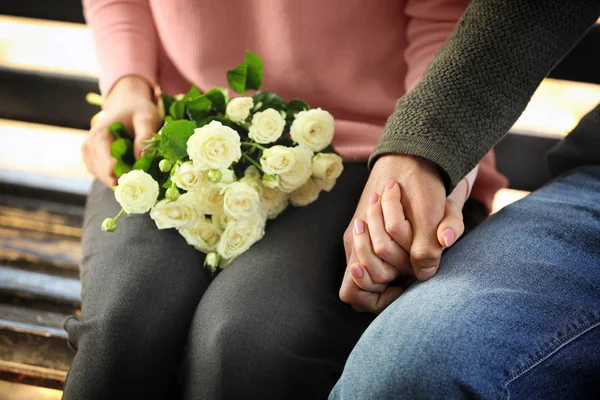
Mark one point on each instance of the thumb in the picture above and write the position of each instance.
(452, 227)
(144, 126)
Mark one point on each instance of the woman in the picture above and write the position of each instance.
(271, 324)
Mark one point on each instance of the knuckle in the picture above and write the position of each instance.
(383, 275)
(382, 249)
(424, 255)
(394, 227)
(348, 237)
(455, 206)
(346, 294)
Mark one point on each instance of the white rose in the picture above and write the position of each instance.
(278, 160)
(313, 129)
(273, 202)
(239, 108)
(208, 197)
(181, 213)
(300, 172)
(214, 146)
(267, 126)
(136, 192)
(240, 200)
(221, 220)
(326, 169)
(186, 176)
(254, 183)
(204, 237)
(305, 194)
(239, 236)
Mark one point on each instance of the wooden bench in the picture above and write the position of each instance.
(39, 286)
(41, 202)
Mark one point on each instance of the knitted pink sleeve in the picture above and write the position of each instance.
(125, 38)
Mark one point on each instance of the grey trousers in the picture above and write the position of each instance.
(156, 325)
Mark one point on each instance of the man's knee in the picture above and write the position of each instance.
(436, 358)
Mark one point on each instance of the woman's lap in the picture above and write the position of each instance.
(514, 310)
(272, 315)
(140, 288)
(272, 321)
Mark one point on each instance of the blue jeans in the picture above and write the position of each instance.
(514, 312)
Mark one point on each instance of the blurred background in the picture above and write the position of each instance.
(47, 67)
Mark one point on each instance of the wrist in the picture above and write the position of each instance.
(130, 86)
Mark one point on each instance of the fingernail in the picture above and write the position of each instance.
(359, 226)
(373, 198)
(448, 236)
(389, 184)
(426, 273)
(356, 271)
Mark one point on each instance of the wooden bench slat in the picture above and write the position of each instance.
(36, 322)
(49, 250)
(32, 375)
(29, 284)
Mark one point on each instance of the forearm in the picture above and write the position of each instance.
(481, 80)
(125, 38)
(580, 147)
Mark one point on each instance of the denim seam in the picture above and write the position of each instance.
(539, 361)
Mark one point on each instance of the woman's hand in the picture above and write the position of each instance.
(130, 102)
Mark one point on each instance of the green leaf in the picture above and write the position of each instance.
(118, 131)
(167, 101)
(168, 183)
(266, 100)
(248, 75)
(193, 93)
(121, 168)
(145, 162)
(174, 137)
(218, 100)
(154, 143)
(177, 110)
(122, 150)
(199, 108)
(298, 105)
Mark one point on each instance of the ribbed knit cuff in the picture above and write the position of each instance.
(451, 169)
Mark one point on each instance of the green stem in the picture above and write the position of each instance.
(257, 165)
(119, 215)
(254, 145)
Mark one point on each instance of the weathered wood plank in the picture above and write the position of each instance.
(39, 205)
(32, 321)
(40, 220)
(32, 375)
(20, 246)
(35, 285)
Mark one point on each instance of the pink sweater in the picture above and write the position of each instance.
(354, 58)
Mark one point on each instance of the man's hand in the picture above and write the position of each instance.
(129, 102)
(409, 227)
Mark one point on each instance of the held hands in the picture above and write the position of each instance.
(129, 102)
(401, 225)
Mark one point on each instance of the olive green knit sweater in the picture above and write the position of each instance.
(481, 80)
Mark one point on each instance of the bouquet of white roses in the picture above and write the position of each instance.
(220, 167)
